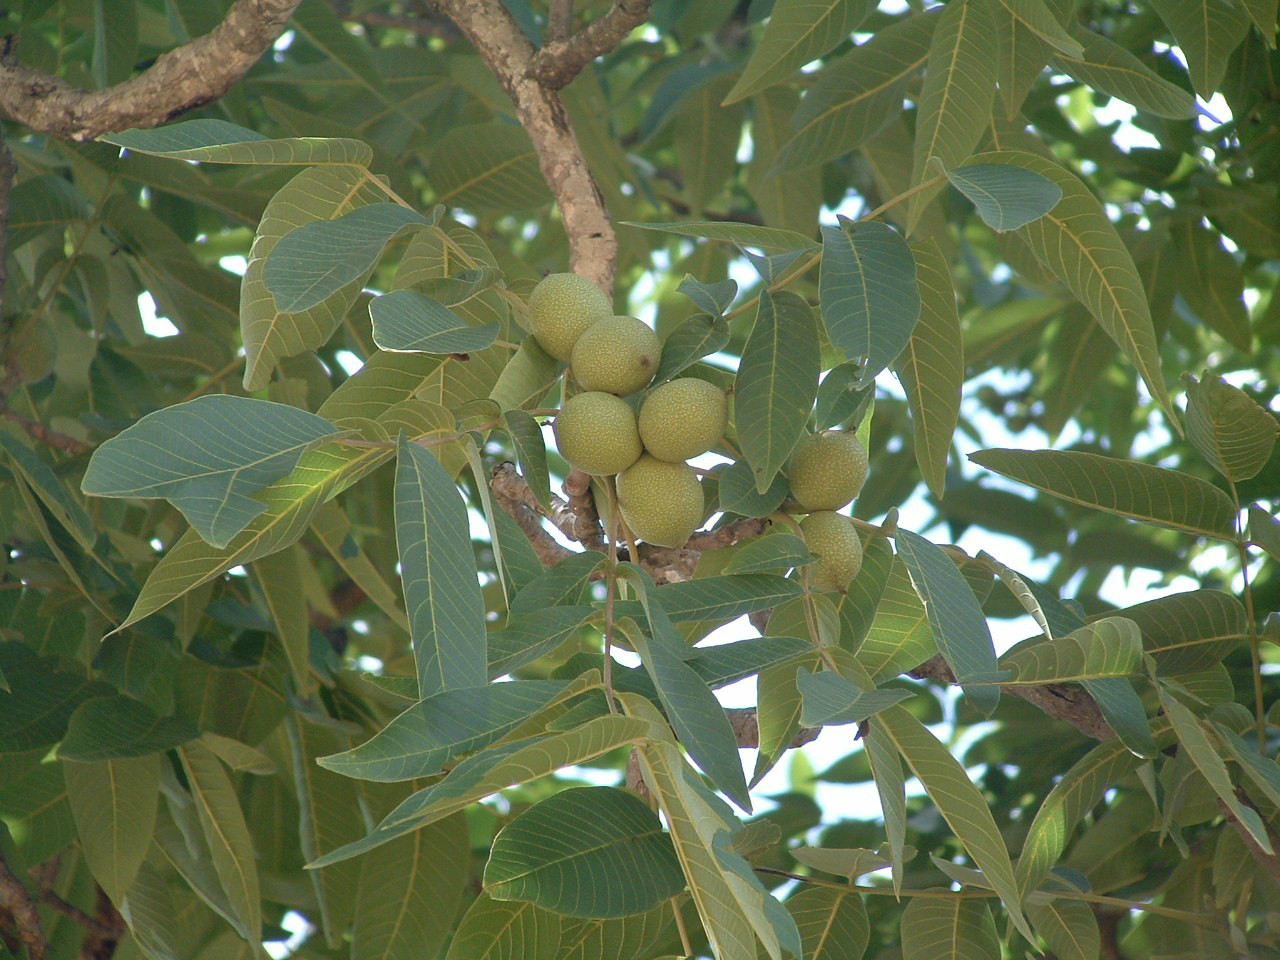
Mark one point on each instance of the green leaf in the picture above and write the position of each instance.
(1264, 530)
(1235, 435)
(931, 366)
(114, 804)
(506, 930)
(53, 493)
(1080, 245)
(278, 576)
(858, 95)
(1111, 69)
(43, 203)
(693, 710)
(495, 769)
(831, 700)
(891, 787)
(776, 384)
(239, 756)
(833, 923)
(593, 852)
(1212, 283)
(1037, 17)
(108, 727)
(406, 320)
(1207, 31)
(1139, 491)
(423, 739)
(1110, 647)
(531, 452)
(1021, 52)
(696, 337)
(861, 600)
(1123, 709)
(317, 260)
(713, 298)
(528, 636)
(226, 832)
(410, 892)
(798, 31)
(1263, 771)
(869, 294)
(955, 103)
(728, 662)
(746, 234)
(202, 457)
(961, 803)
(737, 489)
(771, 553)
(41, 699)
(270, 333)
(955, 617)
(1005, 197)
(948, 928)
(565, 583)
(332, 527)
(149, 911)
(625, 938)
(1069, 927)
(1193, 739)
(438, 567)
(526, 378)
(849, 862)
(785, 199)
(900, 636)
(487, 167)
(735, 909)
(217, 141)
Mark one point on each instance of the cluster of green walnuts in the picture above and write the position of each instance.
(659, 494)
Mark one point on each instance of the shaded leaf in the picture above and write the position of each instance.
(1233, 433)
(407, 320)
(738, 494)
(774, 552)
(487, 167)
(743, 233)
(1005, 197)
(831, 700)
(696, 337)
(114, 804)
(1109, 68)
(506, 930)
(109, 727)
(210, 140)
(1212, 283)
(1069, 927)
(1207, 31)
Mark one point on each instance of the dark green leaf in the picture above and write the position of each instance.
(700, 335)
(831, 700)
(1234, 434)
(109, 727)
(1005, 197)
(407, 320)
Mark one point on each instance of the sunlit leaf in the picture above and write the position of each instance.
(1207, 31)
(1234, 434)
(1111, 647)
(217, 141)
(1111, 69)
(405, 320)
(833, 923)
(948, 928)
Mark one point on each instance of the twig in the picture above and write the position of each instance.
(189, 76)
(49, 898)
(559, 61)
(593, 246)
(15, 898)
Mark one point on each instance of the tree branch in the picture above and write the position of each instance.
(1058, 700)
(191, 75)
(560, 60)
(15, 898)
(593, 246)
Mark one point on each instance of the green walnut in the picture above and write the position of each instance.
(682, 419)
(661, 502)
(832, 538)
(617, 355)
(827, 470)
(596, 432)
(561, 307)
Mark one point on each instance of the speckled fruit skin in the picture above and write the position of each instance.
(682, 419)
(662, 502)
(617, 355)
(827, 470)
(832, 538)
(561, 307)
(596, 432)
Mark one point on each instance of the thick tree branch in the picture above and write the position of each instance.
(560, 60)
(191, 75)
(16, 899)
(1058, 700)
(593, 246)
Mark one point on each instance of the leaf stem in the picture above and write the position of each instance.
(215, 378)
(891, 203)
(805, 267)
(1241, 542)
(611, 587)
(685, 945)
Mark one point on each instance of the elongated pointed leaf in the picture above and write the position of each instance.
(492, 770)
(960, 802)
(891, 787)
(1212, 282)
(869, 294)
(738, 494)
(798, 31)
(51, 490)
(698, 336)
(1111, 69)
(931, 366)
(955, 617)
(531, 451)
(1037, 17)
(1005, 197)
(734, 907)
(831, 700)
(114, 804)
(449, 724)
(312, 263)
(776, 552)
(410, 892)
(1208, 31)
(1111, 647)
(149, 911)
(1080, 245)
(107, 727)
(776, 384)
(487, 167)
(226, 832)
(833, 923)
(1232, 432)
(1021, 53)
(438, 567)
(858, 95)
(592, 852)
(407, 320)
(506, 930)
(948, 928)
(1139, 491)
(1069, 927)
(959, 89)
(204, 458)
(900, 636)
(278, 576)
(217, 141)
